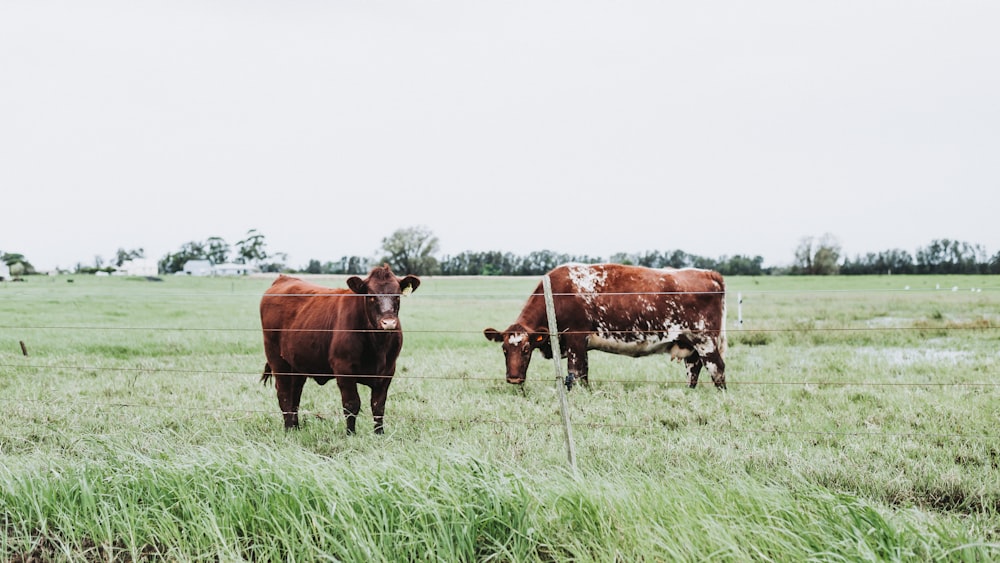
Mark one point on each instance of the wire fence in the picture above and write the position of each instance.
(30, 364)
(241, 374)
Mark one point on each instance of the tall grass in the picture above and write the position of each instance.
(861, 424)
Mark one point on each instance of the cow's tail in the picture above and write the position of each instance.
(267, 374)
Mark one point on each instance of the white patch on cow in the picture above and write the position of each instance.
(634, 349)
(517, 339)
(673, 332)
(587, 280)
(705, 347)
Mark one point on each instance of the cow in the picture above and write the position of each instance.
(351, 335)
(627, 310)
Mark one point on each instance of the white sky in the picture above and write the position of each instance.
(585, 127)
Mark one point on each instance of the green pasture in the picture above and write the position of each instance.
(862, 422)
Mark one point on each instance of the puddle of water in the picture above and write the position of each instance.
(910, 356)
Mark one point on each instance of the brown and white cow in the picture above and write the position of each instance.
(626, 310)
(352, 335)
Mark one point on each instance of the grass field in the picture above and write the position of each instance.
(862, 422)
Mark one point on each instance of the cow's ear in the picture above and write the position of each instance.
(357, 285)
(493, 335)
(409, 284)
(539, 338)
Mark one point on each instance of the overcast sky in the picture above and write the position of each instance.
(584, 127)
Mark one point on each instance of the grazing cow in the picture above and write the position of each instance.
(626, 310)
(351, 335)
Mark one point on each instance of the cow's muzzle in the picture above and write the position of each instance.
(388, 323)
(515, 380)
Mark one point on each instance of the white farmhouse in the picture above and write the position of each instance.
(138, 267)
(230, 269)
(4, 271)
(198, 268)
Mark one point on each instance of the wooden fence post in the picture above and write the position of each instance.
(550, 311)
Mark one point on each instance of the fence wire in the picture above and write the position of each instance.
(38, 404)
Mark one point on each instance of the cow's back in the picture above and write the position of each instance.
(299, 320)
(614, 297)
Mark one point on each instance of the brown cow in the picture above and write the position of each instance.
(352, 335)
(626, 310)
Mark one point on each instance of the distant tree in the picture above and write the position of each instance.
(622, 258)
(17, 264)
(740, 265)
(895, 261)
(540, 261)
(122, 255)
(252, 249)
(944, 256)
(11, 258)
(817, 257)
(350, 265)
(357, 265)
(469, 263)
(217, 250)
(676, 259)
(704, 263)
(993, 267)
(314, 267)
(886, 262)
(275, 264)
(174, 262)
(411, 251)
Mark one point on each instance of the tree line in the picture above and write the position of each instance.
(822, 256)
(414, 250)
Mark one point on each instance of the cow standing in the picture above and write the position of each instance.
(351, 335)
(626, 310)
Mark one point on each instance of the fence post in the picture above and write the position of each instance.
(550, 312)
(739, 307)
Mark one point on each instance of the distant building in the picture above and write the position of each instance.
(230, 269)
(198, 268)
(206, 268)
(4, 271)
(138, 267)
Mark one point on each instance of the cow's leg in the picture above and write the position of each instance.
(693, 365)
(379, 394)
(717, 369)
(351, 401)
(577, 366)
(289, 394)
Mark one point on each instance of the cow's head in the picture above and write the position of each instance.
(382, 290)
(518, 344)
